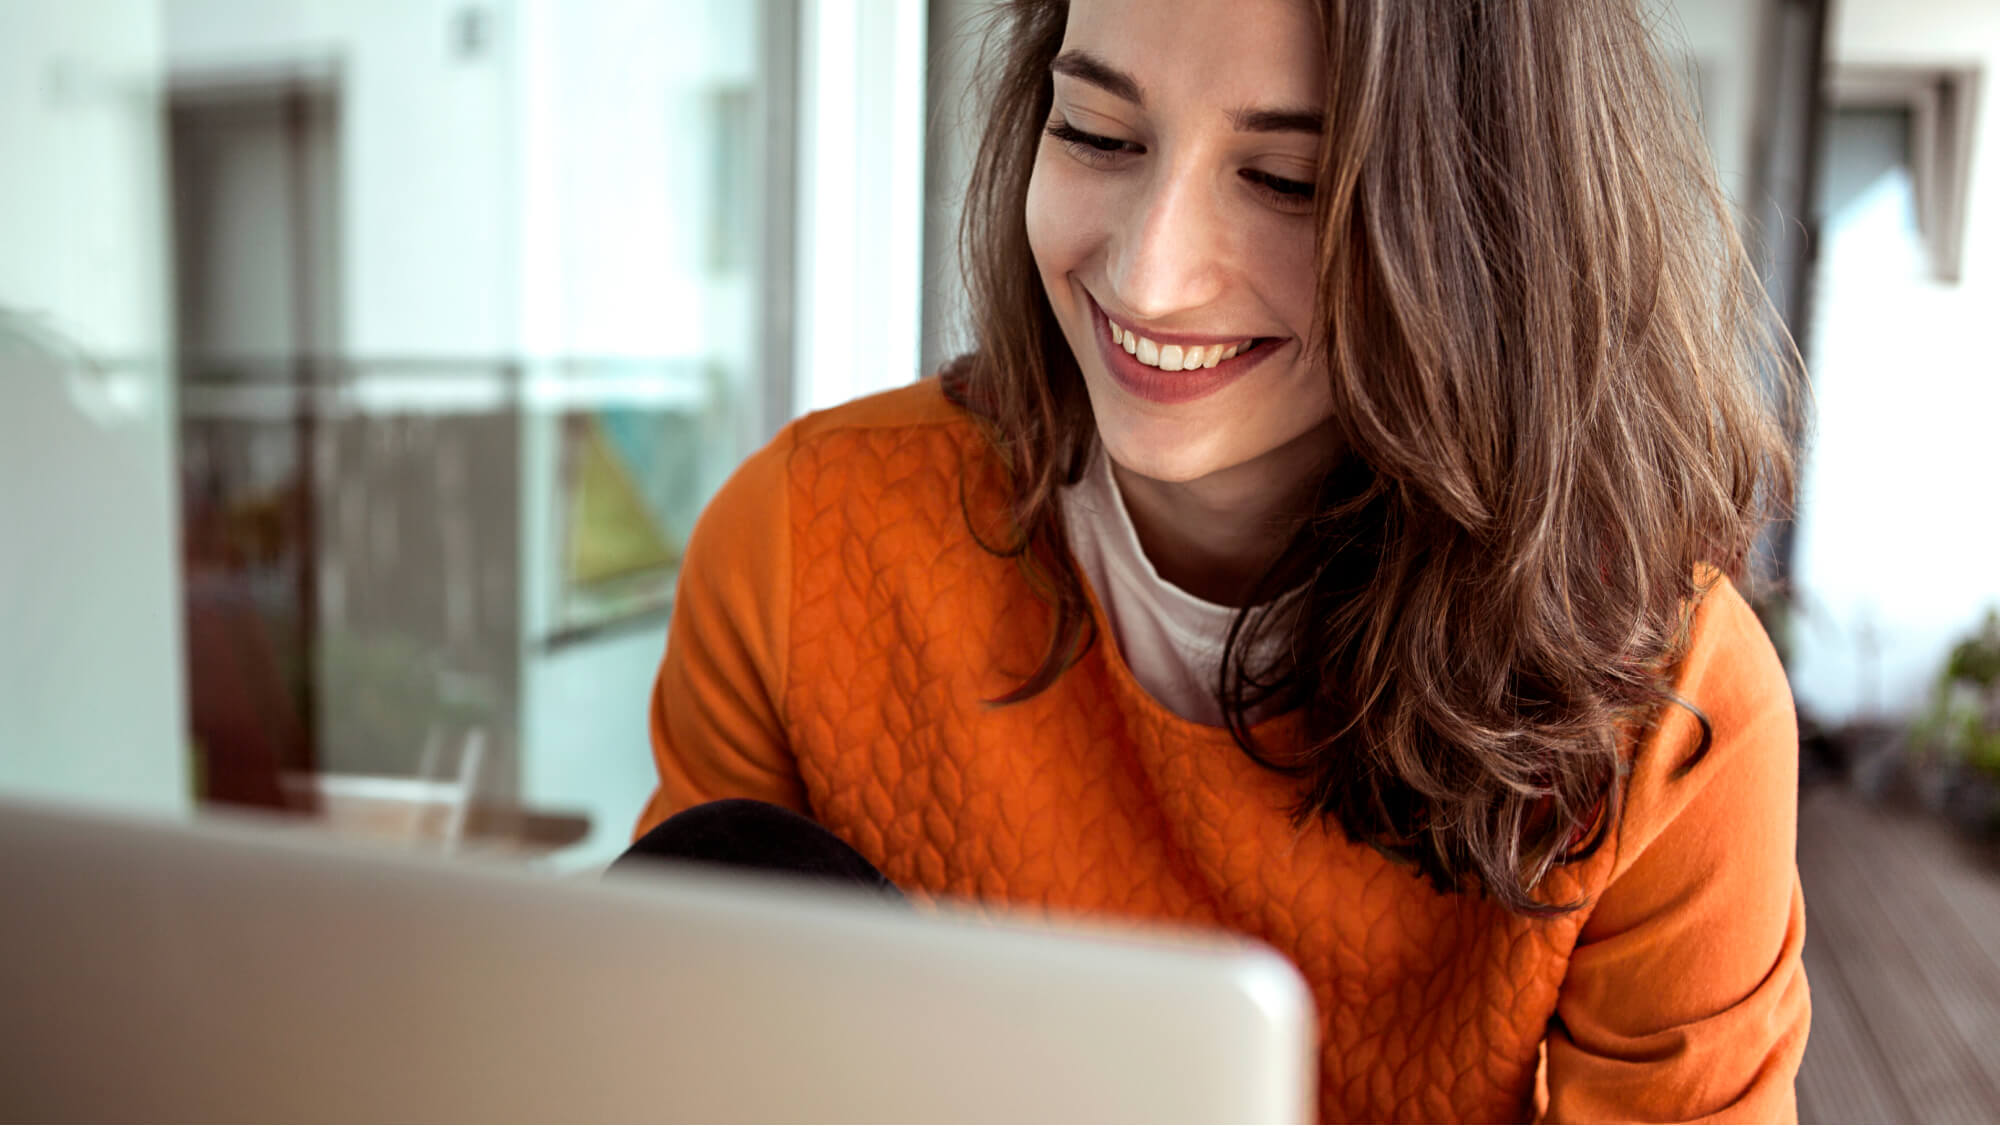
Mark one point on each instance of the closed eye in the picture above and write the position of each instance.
(1092, 148)
(1289, 194)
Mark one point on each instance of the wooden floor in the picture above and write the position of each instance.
(1903, 952)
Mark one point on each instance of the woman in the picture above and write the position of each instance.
(1328, 540)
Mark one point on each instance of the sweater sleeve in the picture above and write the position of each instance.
(1685, 998)
(716, 723)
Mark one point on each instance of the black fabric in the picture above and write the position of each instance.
(740, 833)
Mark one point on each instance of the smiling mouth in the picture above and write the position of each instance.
(1180, 371)
(1176, 357)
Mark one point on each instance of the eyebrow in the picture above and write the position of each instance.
(1278, 121)
(1086, 67)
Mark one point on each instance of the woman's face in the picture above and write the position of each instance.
(1170, 214)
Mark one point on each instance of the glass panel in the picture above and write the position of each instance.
(417, 334)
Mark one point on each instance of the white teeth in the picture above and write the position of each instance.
(1173, 357)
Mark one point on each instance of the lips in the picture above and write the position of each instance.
(1156, 385)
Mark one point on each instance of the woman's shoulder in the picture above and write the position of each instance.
(892, 444)
(1730, 725)
(877, 458)
(1689, 964)
(1730, 670)
(919, 406)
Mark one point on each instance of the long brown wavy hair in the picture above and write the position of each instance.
(1561, 404)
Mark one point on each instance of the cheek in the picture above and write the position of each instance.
(1044, 227)
(1059, 210)
(1289, 268)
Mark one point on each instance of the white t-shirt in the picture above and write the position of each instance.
(1171, 640)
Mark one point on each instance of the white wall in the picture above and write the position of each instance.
(1899, 552)
(426, 189)
(861, 198)
(91, 689)
(584, 738)
(633, 161)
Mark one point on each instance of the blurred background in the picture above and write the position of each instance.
(364, 363)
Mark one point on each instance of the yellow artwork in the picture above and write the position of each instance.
(613, 532)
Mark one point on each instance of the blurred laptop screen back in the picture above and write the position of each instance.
(241, 972)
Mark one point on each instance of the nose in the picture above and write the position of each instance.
(1167, 254)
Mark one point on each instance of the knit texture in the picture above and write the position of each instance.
(839, 629)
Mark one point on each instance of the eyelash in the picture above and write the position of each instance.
(1093, 149)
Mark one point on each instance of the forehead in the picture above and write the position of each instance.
(1229, 54)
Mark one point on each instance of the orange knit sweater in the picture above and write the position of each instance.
(838, 627)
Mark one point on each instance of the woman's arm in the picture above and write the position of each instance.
(716, 708)
(1686, 996)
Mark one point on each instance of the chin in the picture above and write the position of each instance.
(1164, 452)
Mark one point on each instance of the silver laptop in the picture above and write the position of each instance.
(238, 971)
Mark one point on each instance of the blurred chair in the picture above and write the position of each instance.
(437, 809)
(430, 809)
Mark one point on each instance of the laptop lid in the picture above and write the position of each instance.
(240, 971)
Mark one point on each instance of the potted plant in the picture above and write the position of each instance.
(1957, 738)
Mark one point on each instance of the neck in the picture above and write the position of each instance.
(1215, 536)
